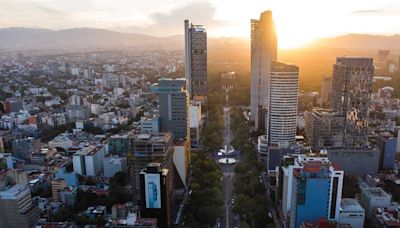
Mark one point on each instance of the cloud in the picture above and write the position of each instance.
(377, 12)
(172, 22)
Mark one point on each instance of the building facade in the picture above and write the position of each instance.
(174, 106)
(263, 52)
(156, 186)
(16, 208)
(195, 59)
(282, 103)
(351, 94)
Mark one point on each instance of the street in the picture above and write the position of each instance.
(229, 219)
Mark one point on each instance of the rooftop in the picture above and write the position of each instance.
(376, 191)
(349, 204)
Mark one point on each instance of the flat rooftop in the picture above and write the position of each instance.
(376, 191)
(350, 205)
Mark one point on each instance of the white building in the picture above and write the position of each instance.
(373, 197)
(351, 212)
(283, 104)
(195, 124)
(262, 145)
(61, 141)
(113, 165)
(150, 125)
(89, 160)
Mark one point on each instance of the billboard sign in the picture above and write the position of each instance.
(152, 190)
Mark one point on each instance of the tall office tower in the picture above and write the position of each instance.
(326, 91)
(174, 106)
(156, 188)
(283, 103)
(263, 52)
(16, 208)
(351, 94)
(316, 191)
(196, 60)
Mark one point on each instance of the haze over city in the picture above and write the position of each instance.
(298, 22)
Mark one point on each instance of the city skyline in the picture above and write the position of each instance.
(222, 18)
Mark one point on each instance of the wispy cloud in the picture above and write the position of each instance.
(377, 12)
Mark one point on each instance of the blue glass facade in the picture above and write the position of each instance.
(310, 199)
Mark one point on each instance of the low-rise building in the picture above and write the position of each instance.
(352, 213)
(373, 197)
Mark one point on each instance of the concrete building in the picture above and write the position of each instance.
(61, 141)
(114, 164)
(14, 105)
(156, 192)
(119, 144)
(195, 60)
(373, 197)
(89, 160)
(57, 185)
(148, 148)
(263, 52)
(352, 213)
(324, 129)
(326, 91)
(351, 95)
(398, 142)
(309, 189)
(282, 104)
(68, 196)
(356, 162)
(174, 106)
(17, 209)
(23, 148)
(74, 113)
(150, 124)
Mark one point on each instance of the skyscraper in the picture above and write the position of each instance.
(283, 103)
(263, 52)
(174, 106)
(196, 59)
(351, 93)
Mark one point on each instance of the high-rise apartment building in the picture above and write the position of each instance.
(351, 94)
(283, 104)
(195, 59)
(263, 52)
(174, 106)
(16, 208)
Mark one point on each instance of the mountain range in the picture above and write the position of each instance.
(79, 39)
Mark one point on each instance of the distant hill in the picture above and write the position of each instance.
(19, 39)
(361, 42)
(12, 39)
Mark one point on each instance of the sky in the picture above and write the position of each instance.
(298, 22)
